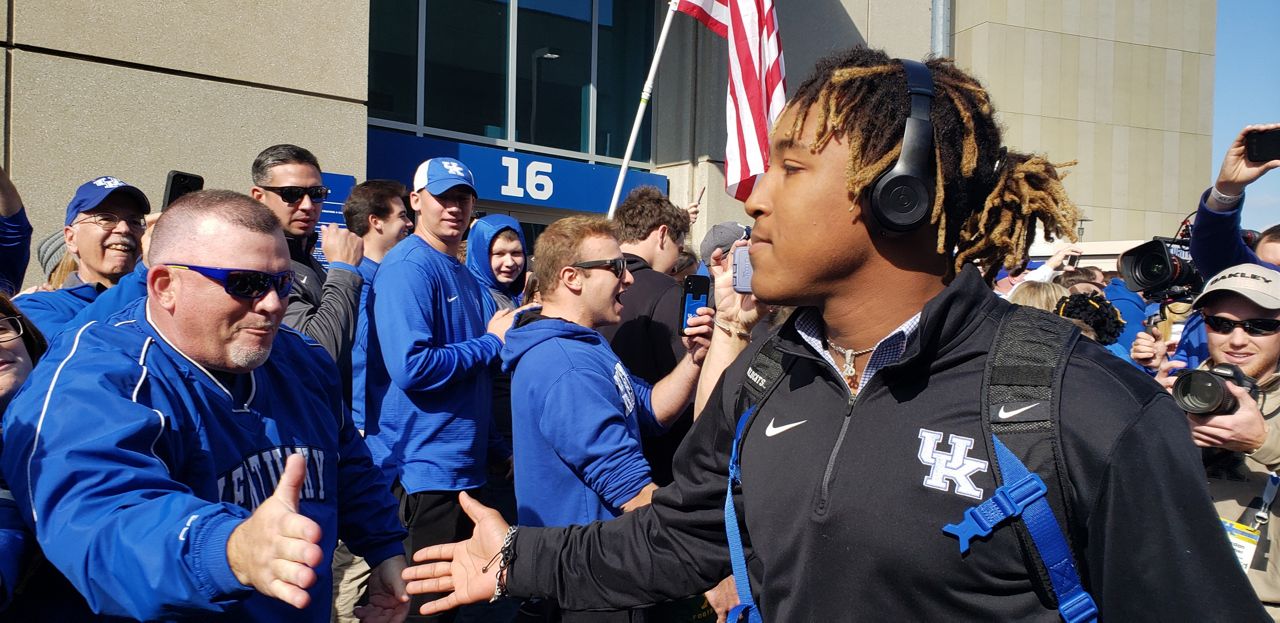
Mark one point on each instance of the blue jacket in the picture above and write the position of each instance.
(15, 251)
(360, 347)
(481, 238)
(53, 310)
(429, 379)
(15, 542)
(130, 288)
(133, 465)
(577, 415)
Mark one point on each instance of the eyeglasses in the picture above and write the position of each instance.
(108, 221)
(617, 265)
(10, 328)
(245, 284)
(1255, 327)
(293, 194)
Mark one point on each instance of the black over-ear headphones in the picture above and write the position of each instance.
(902, 197)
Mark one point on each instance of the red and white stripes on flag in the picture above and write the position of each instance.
(757, 82)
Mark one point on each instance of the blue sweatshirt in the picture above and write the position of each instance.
(53, 310)
(133, 465)
(360, 347)
(15, 251)
(577, 416)
(432, 390)
(481, 238)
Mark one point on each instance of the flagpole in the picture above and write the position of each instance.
(644, 103)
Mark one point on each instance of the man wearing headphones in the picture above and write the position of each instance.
(848, 462)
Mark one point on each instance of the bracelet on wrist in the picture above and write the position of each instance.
(732, 331)
(505, 556)
(1224, 199)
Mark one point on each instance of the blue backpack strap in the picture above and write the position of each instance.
(763, 375)
(1020, 405)
(737, 557)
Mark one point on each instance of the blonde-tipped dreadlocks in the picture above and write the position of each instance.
(986, 201)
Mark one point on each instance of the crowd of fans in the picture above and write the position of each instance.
(203, 420)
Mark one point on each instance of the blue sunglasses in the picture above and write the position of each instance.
(245, 284)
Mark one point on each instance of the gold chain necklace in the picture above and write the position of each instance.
(849, 354)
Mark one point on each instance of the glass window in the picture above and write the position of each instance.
(553, 73)
(465, 82)
(393, 60)
(625, 47)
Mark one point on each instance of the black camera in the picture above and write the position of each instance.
(1205, 392)
(1161, 269)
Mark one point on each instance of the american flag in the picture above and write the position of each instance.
(757, 82)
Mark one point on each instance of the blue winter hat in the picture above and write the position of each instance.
(92, 193)
(440, 174)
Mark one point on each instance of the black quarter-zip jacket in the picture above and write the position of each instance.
(842, 522)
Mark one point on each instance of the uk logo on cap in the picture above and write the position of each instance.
(438, 175)
(108, 182)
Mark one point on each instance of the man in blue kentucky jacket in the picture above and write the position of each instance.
(189, 457)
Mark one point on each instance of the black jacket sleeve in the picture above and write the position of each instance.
(1153, 505)
(673, 548)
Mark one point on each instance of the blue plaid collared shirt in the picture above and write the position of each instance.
(887, 351)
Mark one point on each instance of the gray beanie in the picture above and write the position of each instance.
(50, 251)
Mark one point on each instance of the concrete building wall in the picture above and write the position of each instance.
(1123, 86)
(689, 100)
(136, 88)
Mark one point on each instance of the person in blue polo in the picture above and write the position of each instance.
(103, 230)
(428, 387)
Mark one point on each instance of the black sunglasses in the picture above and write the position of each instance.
(617, 265)
(1256, 326)
(246, 284)
(293, 194)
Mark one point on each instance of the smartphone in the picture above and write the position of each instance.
(1262, 146)
(1073, 260)
(742, 270)
(697, 291)
(179, 184)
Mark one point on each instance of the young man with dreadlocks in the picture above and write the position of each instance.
(845, 482)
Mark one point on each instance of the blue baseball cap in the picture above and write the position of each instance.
(1032, 265)
(440, 174)
(92, 193)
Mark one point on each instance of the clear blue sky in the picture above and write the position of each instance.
(1246, 89)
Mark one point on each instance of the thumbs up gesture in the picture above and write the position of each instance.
(276, 549)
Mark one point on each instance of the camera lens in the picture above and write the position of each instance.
(1151, 268)
(1203, 393)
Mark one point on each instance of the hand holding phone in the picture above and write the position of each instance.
(697, 293)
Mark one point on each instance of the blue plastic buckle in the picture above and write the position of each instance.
(1078, 609)
(1007, 501)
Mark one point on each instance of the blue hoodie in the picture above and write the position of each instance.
(481, 238)
(577, 416)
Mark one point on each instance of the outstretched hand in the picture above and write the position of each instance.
(277, 548)
(1237, 170)
(459, 568)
